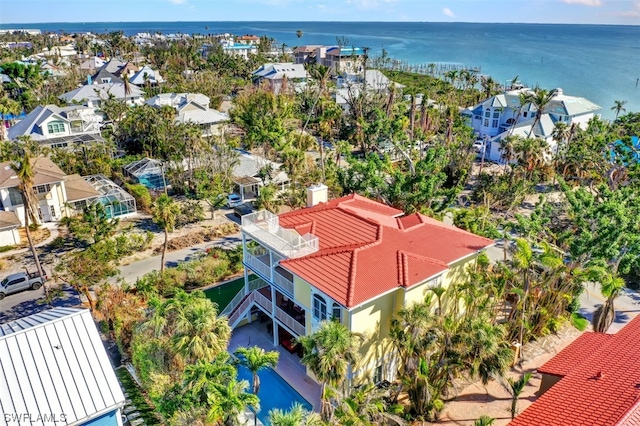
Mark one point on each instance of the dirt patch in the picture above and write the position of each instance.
(492, 400)
(199, 236)
(39, 235)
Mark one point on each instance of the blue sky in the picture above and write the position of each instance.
(625, 12)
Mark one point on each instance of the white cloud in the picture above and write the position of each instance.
(590, 3)
(178, 1)
(448, 12)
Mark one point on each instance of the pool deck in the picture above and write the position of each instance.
(289, 366)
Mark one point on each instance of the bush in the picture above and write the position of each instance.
(191, 211)
(4, 249)
(141, 195)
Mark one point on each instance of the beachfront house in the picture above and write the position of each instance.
(504, 114)
(351, 260)
(592, 381)
(55, 370)
(274, 75)
(59, 127)
(341, 60)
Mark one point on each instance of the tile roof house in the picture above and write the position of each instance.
(54, 369)
(58, 195)
(351, 259)
(58, 127)
(498, 116)
(593, 381)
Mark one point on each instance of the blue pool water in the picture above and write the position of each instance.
(274, 392)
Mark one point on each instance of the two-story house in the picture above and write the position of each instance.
(58, 194)
(92, 95)
(351, 260)
(192, 108)
(56, 371)
(57, 127)
(273, 75)
(509, 114)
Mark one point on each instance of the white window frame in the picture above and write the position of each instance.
(317, 310)
(43, 189)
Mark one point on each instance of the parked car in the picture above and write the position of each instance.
(21, 281)
(242, 210)
(233, 200)
(479, 145)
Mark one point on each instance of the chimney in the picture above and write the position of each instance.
(317, 194)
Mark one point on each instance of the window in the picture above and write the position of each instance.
(15, 282)
(15, 196)
(496, 114)
(487, 113)
(319, 308)
(377, 374)
(59, 145)
(524, 114)
(486, 122)
(495, 123)
(43, 189)
(55, 127)
(336, 314)
(53, 211)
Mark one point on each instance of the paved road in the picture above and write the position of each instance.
(130, 273)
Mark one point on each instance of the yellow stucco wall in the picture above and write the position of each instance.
(302, 292)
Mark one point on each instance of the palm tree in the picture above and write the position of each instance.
(198, 378)
(256, 359)
(296, 416)
(328, 353)
(199, 333)
(230, 400)
(165, 213)
(618, 107)
(22, 165)
(610, 287)
(299, 34)
(515, 389)
(366, 406)
(127, 87)
(484, 420)
(539, 99)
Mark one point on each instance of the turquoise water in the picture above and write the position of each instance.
(274, 392)
(599, 62)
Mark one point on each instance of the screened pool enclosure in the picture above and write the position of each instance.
(147, 172)
(117, 201)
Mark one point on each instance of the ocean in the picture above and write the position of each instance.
(598, 62)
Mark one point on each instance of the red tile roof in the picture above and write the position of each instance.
(603, 388)
(571, 356)
(366, 249)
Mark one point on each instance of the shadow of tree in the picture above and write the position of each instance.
(68, 298)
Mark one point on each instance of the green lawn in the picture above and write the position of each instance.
(223, 293)
(135, 395)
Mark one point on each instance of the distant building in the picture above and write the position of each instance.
(501, 115)
(93, 95)
(341, 60)
(145, 76)
(55, 370)
(248, 39)
(274, 75)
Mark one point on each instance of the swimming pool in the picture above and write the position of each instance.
(274, 392)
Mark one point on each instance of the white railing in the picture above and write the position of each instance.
(233, 319)
(264, 302)
(257, 265)
(257, 283)
(290, 322)
(283, 282)
(264, 226)
(234, 302)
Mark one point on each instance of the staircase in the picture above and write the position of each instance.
(243, 301)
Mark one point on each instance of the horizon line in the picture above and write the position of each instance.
(318, 21)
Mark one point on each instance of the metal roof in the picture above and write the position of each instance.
(54, 364)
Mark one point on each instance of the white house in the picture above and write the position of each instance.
(58, 127)
(192, 108)
(246, 175)
(146, 75)
(9, 224)
(505, 113)
(58, 195)
(93, 95)
(274, 75)
(56, 371)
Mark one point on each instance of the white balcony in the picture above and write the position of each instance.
(264, 227)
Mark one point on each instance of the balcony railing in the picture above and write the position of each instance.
(257, 265)
(264, 227)
(290, 322)
(234, 302)
(283, 282)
